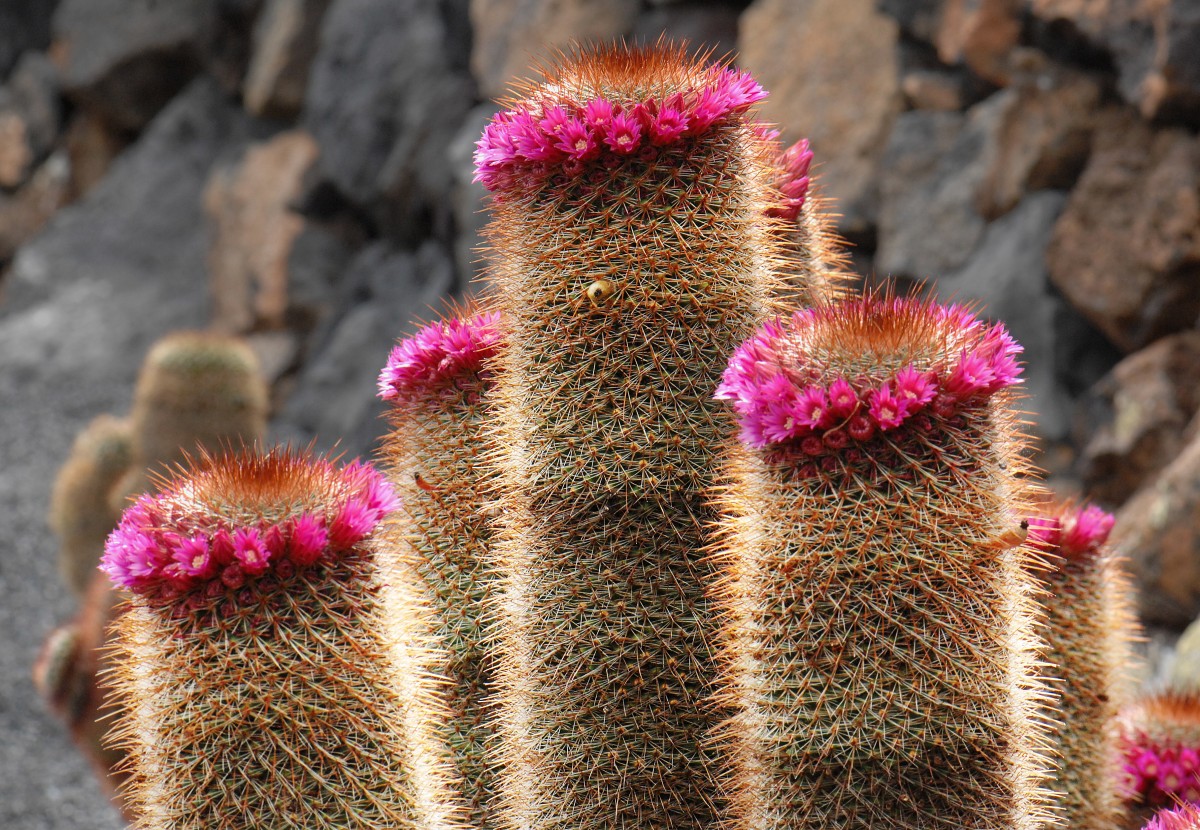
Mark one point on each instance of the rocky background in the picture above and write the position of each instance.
(299, 172)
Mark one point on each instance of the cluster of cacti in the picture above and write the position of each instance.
(582, 602)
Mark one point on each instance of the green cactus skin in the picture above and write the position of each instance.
(280, 698)
(433, 458)
(622, 284)
(196, 391)
(878, 647)
(1089, 631)
(81, 514)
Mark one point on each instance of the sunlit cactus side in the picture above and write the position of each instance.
(1089, 629)
(81, 513)
(630, 248)
(1160, 745)
(195, 391)
(879, 652)
(1181, 817)
(268, 668)
(436, 382)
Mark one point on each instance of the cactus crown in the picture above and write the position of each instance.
(673, 100)
(240, 517)
(1072, 532)
(793, 180)
(910, 362)
(1183, 817)
(1161, 742)
(438, 355)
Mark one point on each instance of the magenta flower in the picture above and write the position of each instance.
(438, 354)
(1088, 530)
(598, 115)
(842, 398)
(812, 408)
(194, 557)
(1182, 817)
(667, 126)
(250, 551)
(623, 134)
(577, 141)
(915, 388)
(887, 410)
(308, 539)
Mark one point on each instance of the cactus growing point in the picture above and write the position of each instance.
(266, 669)
(436, 382)
(879, 652)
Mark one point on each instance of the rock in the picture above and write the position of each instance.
(511, 36)
(706, 27)
(254, 230)
(128, 58)
(285, 43)
(469, 197)
(384, 100)
(1158, 530)
(931, 89)
(24, 25)
(854, 54)
(919, 19)
(92, 146)
(1185, 669)
(24, 214)
(83, 301)
(1126, 251)
(1155, 45)
(930, 176)
(1136, 415)
(335, 402)
(980, 34)
(1044, 136)
(29, 118)
(1006, 277)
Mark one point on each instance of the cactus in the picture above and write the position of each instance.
(1089, 628)
(196, 391)
(878, 649)
(1160, 743)
(81, 514)
(631, 247)
(267, 660)
(436, 383)
(1183, 817)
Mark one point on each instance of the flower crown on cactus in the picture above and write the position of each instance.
(1181, 817)
(1075, 533)
(777, 387)
(1160, 736)
(794, 179)
(238, 518)
(438, 354)
(532, 141)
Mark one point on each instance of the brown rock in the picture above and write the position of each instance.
(980, 34)
(831, 68)
(91, 145)
(24, 213)
(1159, 531)
(1126, 252)
(1136, 416)
(930, 89)
(254, 231)
(511, 36)
(29, 118)
(1043, 138)
(285, 42)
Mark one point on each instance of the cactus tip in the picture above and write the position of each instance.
(439, 352)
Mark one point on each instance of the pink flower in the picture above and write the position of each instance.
(973, 374)
(915, 388)
(812, 408)
(667, 126)
(709, 106)
(250, 551)
(195, 559)
(577, 141)
(842, 398)
(1088, 531)
(623, 134)
(353, 522)
(308, 539)
(554, 121)
(439, 353)
(598, 115)
(887, 410)
(797, 159)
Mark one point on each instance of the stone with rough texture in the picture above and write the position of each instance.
(83, 302)
(1155, 45)
(932, 169)
(385, 97)
(92, 147)
(254, 231)
(513, 35)
(285, 43)
(704, 26)
(29, 118)
(1126, 251)
(128, 58)
(854, 53)
(24, 213)
(334, 400)
(1133, 419)
(24, 25)
(932, 89)
(1185, 668)
(1159, 531)
(980, 34)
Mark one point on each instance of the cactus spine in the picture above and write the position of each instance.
(1088, 632)
(630, 249)
(436, 382)
(266, 665)
(878, 649)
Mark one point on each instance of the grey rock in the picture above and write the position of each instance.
(703, 26)
(383, 102)
(469, 198)
(30, 115)
(1185, 668)
(24, 25)
(84, 301)
(334, 403)
(128, 58)
(285, 43)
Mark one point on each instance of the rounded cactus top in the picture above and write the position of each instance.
(235, 518)
(605, 106)
(1181, 817)
(1072, 531)
(836, 375)
(1160, 740)
(438, 354)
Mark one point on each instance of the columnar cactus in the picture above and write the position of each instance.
(631, 248)
(878, 649)
(81, 513)
(267, 665)
(1160, 743)
(436, 382)
(1088, 632)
